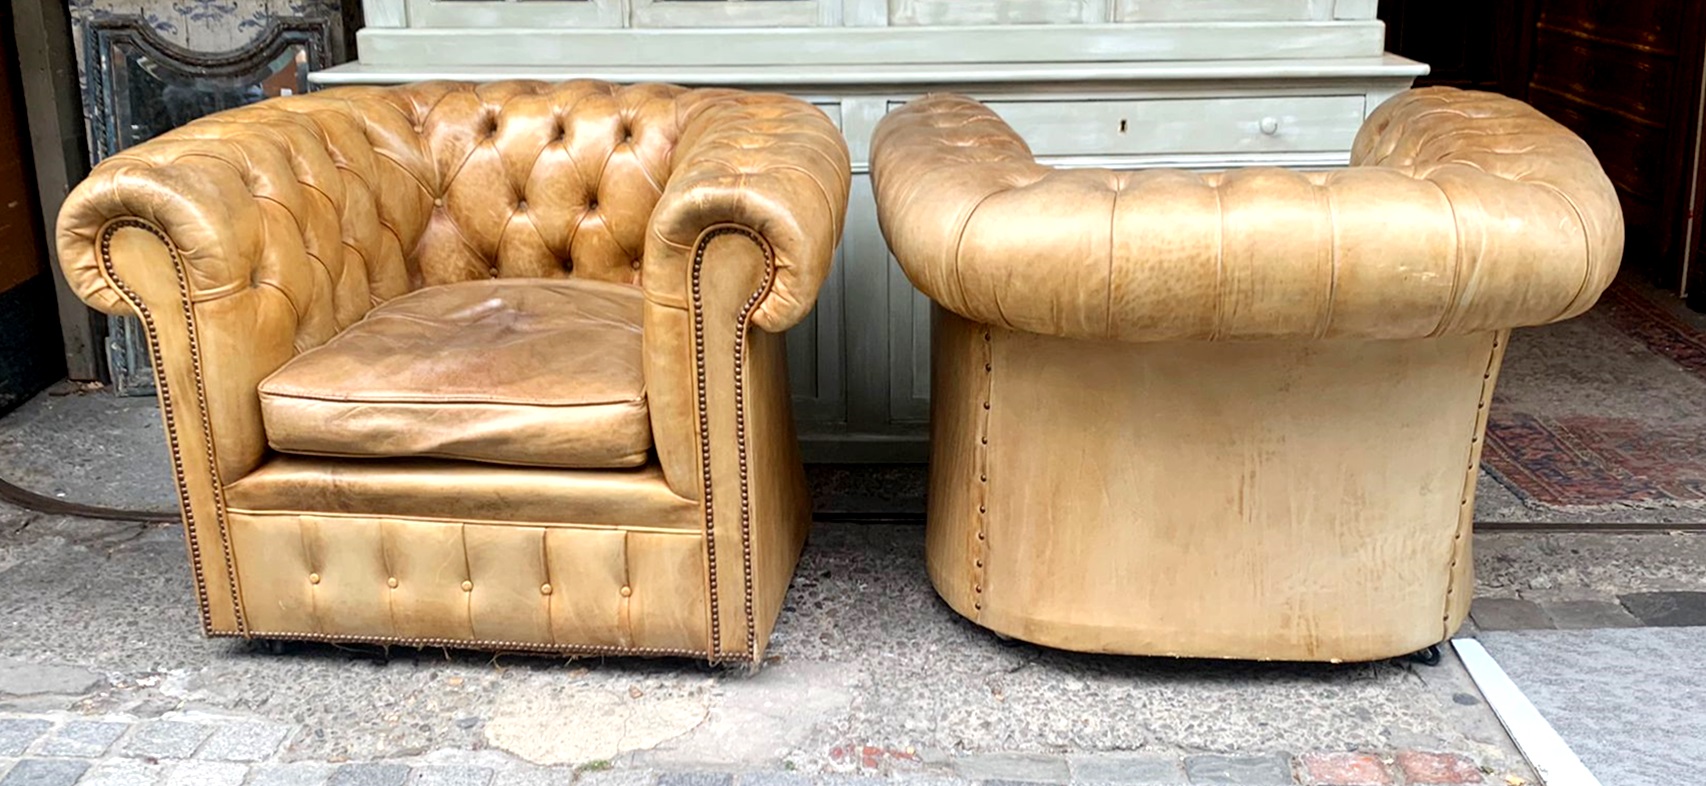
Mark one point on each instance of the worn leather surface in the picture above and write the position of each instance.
(1462, 212)
(251, 236)
(496, 586)
(1293, 499)
(513, 371)
(464, 491)
(1112, 472)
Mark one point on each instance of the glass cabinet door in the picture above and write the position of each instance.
(909, 13)
(515, 13)
(734, 13)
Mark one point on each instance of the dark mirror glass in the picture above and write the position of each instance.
(151, 96)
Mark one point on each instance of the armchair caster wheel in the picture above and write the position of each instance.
(1428, 657)
(275, 646)
(1006, 640)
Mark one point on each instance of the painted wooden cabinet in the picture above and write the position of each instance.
(1202, 84)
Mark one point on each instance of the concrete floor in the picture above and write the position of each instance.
(1631, 703)
(871, 673)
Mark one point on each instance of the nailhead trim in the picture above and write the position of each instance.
(477, 644)
(742, 325)
(1466, 512)
(980, 547)
(165, 393)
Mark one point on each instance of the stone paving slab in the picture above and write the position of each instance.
(1667, 609)
(1588, 614)
(82, 739)
(123, 766)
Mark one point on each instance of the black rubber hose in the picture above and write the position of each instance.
(40, 503)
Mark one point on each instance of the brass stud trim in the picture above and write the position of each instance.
(1466, 513)
(744, 321)
(481, 644)
(169, 415)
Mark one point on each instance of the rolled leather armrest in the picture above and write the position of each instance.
(178, 190)
(1462, 212)
(771, 164)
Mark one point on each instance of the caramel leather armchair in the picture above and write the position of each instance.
(493, 366)
(1234, 414)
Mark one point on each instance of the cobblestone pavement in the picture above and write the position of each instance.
(63, 749)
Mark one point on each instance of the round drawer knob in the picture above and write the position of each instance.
(1270, 125)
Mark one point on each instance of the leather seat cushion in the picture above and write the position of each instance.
(534, 372)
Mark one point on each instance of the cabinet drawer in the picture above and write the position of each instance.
(1187, 125)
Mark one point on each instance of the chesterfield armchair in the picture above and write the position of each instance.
(1234, 414)
(493, 366)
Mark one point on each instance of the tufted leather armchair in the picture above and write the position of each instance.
(1230, 414)
(493, 366)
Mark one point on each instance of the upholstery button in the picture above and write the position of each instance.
(391, 582)
(521, 207)
(627, 590)
(467, 586)
(492, 271)
(313, 578)
(634, 264)
(438, 202)
(544, 589)
(419, 128)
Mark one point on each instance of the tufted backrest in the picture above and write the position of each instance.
(347, 197)
(1463, 212)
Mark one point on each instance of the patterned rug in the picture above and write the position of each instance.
(1602, 419)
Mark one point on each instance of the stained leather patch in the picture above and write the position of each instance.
(532, 372)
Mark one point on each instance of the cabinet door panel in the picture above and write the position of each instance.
(817, 347)
(1205, 125)
(995, 12)
(515, 13)
(733, 13)
(1222, 10)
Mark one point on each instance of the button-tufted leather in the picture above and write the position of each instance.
(540, 373)
(1461, 212)
(1237, 414)
(255, 236)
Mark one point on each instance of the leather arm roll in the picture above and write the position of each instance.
(1462, 212)
(768, 163)
(245, 199)
(186, 191)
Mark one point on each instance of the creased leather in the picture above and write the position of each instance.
(254, 235)
(511, 371)
(778, 167)
(1462, 212)
(464, 491)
